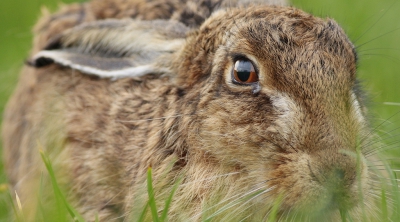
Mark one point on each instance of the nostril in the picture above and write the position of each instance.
(339, 173)
(313, 175)
(334, 177)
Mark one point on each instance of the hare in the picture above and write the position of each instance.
(250, 104)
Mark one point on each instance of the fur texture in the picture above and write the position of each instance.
(296, 136)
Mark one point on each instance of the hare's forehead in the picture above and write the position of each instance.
(277, 41)
(284, 32)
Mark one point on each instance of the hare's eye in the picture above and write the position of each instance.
(244, 72)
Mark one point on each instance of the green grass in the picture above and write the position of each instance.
(61, 202)
(372, 25)
(60, 209)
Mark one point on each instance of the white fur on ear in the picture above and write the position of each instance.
(116, 48)
(113, 68)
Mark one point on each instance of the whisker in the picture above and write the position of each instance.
(368, 147)
(377, 127)
(380, 36)
(245, 208)
(376, 22)
(393, 58)
(238, 196)
(285, 214)
(228, 206)
(208, 179)
(269, 211)
(244, 219)
(276, 144)
(373, 49)
(387, 147)
(385, 160)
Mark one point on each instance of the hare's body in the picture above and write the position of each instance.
(292, 134)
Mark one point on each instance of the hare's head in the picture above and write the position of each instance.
(279, 102)
(270, 93)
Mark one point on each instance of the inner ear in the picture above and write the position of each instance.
(116, 48)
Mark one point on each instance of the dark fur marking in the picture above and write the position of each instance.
(41, 62)
(54, 43)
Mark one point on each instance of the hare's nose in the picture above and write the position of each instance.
(337, 174)
(334, 177)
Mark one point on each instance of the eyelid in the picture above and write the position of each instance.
(238, 56)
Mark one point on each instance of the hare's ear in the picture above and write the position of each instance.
(116, 48)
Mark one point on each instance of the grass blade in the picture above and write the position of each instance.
(275, 208)
(152, 201)
(16, 213)
(169, 200)
(384, 209)
(343, 215)
(143, 214)
(57, 191)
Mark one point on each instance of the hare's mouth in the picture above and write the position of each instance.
(319, 187)
(327, 204)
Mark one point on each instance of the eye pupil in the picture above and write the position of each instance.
(243, 76)
(244, 72)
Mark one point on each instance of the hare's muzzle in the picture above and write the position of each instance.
(340, 178)
(323, 183)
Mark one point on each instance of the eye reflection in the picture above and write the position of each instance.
(244, 72)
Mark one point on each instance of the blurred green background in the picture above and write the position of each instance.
(374, 27)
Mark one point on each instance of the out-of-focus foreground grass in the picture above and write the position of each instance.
(373, 26)
(17, 18)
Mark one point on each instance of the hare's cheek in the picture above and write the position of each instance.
(288, 118)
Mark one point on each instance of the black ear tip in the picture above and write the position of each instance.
(39, 62)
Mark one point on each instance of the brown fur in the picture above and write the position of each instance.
(295, 139)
